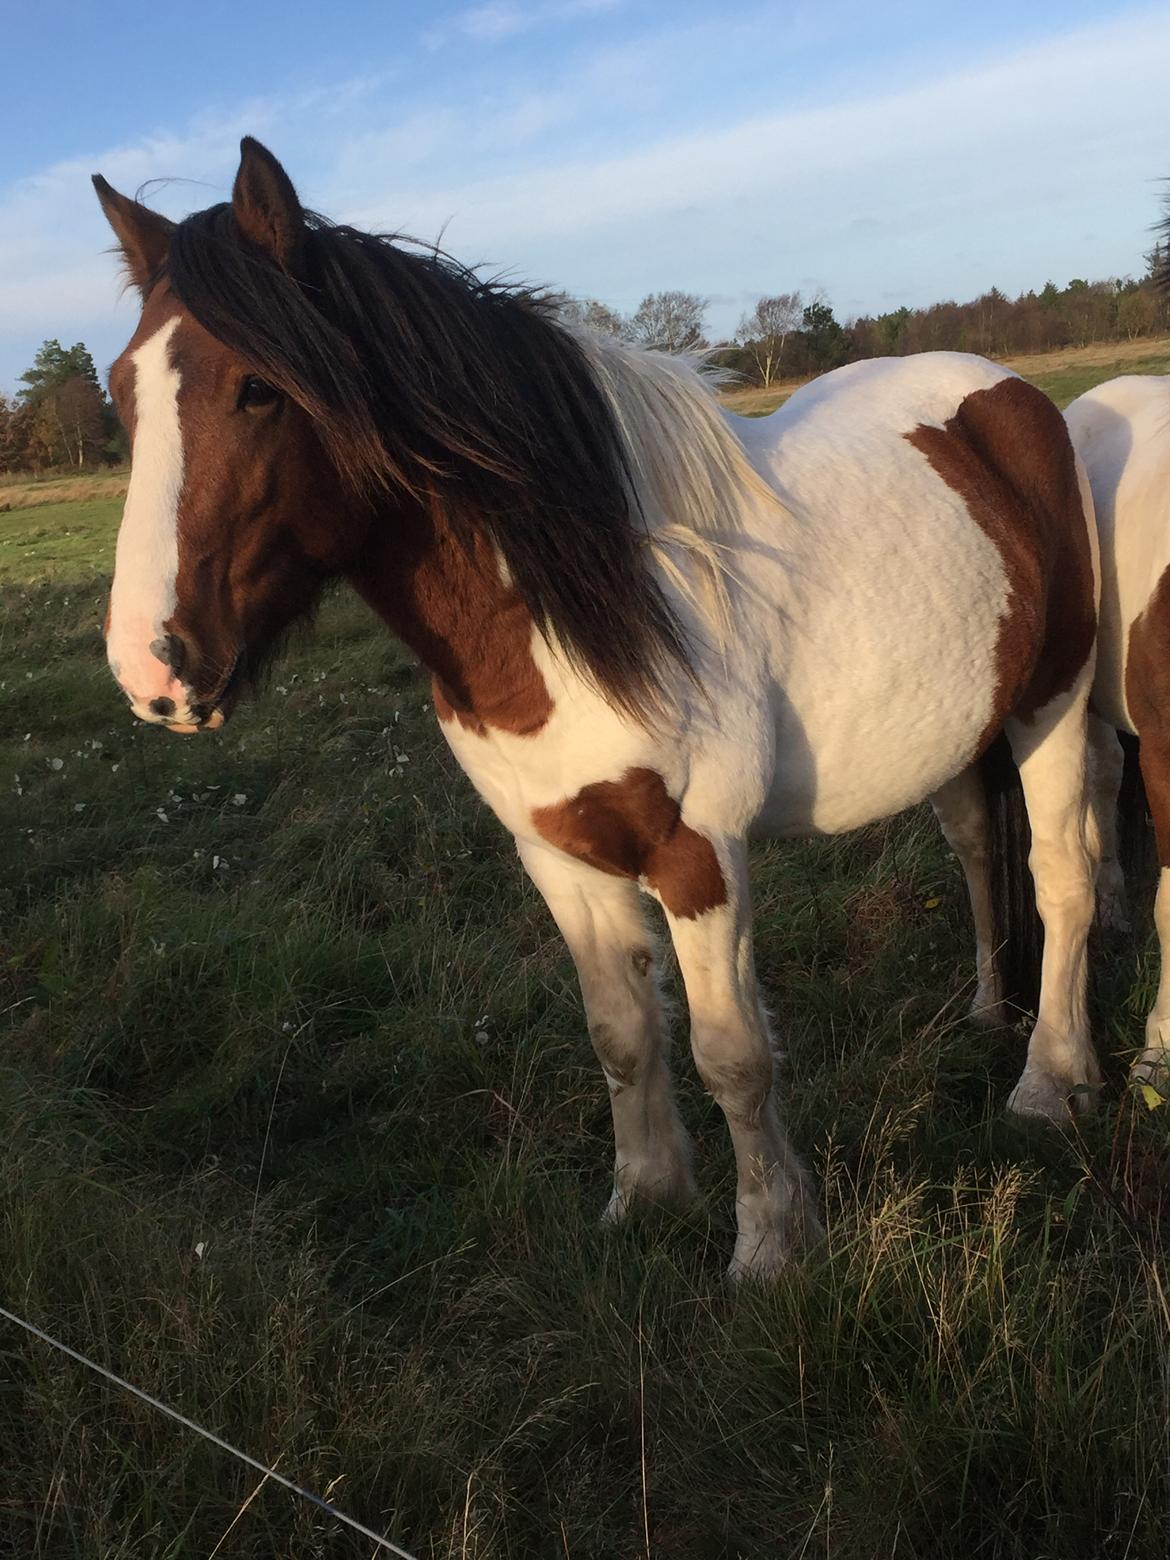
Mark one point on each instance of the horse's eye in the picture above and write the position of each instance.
(256, 392)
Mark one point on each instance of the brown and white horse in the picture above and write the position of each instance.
(655, 630)
(1122, 432)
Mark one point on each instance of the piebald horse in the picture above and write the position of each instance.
(1122, 432)
(655, 629)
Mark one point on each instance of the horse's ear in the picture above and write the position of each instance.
(266, 205)
(143, 235)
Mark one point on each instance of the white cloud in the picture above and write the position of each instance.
(1038, 162)
(501, 19)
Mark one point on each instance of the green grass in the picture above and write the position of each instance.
(1063, 374)
(302, 1132)
(1065, 383)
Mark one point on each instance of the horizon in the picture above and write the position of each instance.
(580, 144)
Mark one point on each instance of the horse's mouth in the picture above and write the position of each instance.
(213, 721)
(210, 713)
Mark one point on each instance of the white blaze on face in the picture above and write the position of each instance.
(147, 558)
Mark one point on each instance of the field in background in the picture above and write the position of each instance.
(302, 1132)
(1062, 375)
(25, 492)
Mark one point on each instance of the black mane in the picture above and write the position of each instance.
(423, 377)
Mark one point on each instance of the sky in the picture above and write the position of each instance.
(901, 152)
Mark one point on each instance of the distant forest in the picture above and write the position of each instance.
(787, 336)
(60, 418)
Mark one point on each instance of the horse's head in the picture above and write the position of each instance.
(232, 519)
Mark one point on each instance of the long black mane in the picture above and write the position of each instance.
(423, 377)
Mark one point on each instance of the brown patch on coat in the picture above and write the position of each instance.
(1008, 455)
(446, 599)
(633, 828)
(1147, 694)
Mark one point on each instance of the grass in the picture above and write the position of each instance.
(21, 491)
(302, 1133)
(1063, 375)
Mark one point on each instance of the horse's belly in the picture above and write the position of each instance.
(886, 733)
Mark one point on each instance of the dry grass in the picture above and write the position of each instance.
(1062, 374)
(20, 491)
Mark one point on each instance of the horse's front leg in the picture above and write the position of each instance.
(603, 921)
(736, 1060)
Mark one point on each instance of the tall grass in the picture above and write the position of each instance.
(302, 1133)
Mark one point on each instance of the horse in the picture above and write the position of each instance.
(655, 630)
(1121, 430)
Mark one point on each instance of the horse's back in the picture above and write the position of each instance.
(1121, 430)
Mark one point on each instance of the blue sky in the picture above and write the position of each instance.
(894, 153)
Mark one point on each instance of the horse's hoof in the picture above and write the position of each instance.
(673, 1187)
(1040, 1096)
(1152, 1071)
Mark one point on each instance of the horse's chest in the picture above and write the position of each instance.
(517, 776)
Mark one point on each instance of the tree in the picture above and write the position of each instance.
(7, 453)
(765, 330)
(1135, 312)
(53, 366)
(671, 321)
(892, 330)
(69, 421)
(593, 314)
(16, 450)
(78, 411)
(825, 341)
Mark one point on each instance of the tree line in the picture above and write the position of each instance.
(60, 417)
(787, 336)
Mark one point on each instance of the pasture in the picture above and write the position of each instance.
(302, 1132)
(1063, 375)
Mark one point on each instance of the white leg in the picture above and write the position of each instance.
(1106, 762)
(961, 808)
(1051, 753)
(604, 924)
(1153, 1065)
(735, 1058)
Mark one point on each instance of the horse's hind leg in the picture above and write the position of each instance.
(604, 924)
(961, 809)
(737, 1062)
(1106, 763)
(1153, 1065)
(1050, 750)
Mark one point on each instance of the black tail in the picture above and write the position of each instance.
(1134, 834)
(1017, 934)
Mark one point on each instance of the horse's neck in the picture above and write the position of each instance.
(449, 603)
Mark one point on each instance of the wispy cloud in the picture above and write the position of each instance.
(1038, 161)
(502, 19)
(936, 175)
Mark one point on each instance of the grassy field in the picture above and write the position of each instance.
(1062, 375)
(27, 492)
(302, 1133)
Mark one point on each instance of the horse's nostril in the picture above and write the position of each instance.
(169, 650)
(163, 706)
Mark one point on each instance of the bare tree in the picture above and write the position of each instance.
(671, 321)
(594, 314)
(765, 330)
